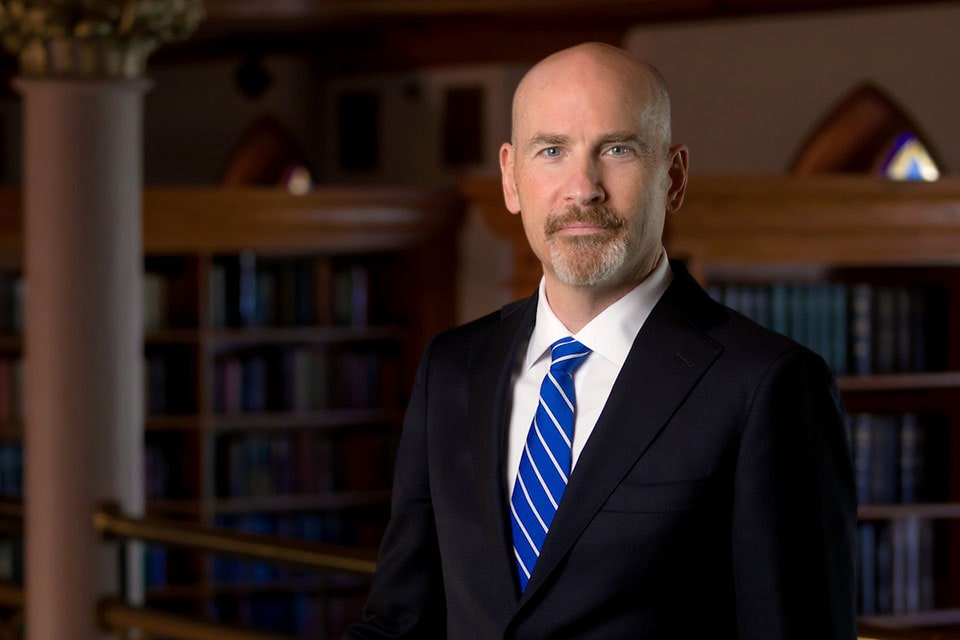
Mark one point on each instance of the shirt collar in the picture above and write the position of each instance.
(612, 332)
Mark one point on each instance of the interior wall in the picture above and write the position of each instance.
(195, 114)
(748, 93)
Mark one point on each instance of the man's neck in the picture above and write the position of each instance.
(575, 306)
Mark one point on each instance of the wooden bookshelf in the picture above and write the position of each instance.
(943, 510)
(901, 382)
(947, 619)
(306, 462)
(843, 231)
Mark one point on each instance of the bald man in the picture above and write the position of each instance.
(617, 457)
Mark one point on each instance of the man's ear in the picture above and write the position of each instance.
(507, 178)
(679, 160)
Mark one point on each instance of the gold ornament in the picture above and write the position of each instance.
(93, 38)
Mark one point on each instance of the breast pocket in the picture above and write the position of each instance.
(656, 497)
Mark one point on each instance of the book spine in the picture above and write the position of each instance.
(861, 329)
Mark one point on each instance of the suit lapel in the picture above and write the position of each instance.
(492, 362)
(668, 357)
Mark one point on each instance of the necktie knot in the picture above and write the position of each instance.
(566, 355)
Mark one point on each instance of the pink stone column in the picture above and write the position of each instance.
(83, 433)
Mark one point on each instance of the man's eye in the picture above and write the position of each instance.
(551, 152)
(618, 150)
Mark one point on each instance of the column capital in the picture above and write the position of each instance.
(93, 38)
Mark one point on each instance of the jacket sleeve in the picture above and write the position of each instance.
(406, 598)
(794, 511)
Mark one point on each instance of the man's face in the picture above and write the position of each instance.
(588, 170)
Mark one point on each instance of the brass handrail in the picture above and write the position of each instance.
(115, 615)
(109, 521)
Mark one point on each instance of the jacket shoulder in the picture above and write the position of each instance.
(475, 333)
(740, 337)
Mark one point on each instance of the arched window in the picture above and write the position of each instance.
(868, 133)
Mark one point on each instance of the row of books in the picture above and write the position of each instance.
(11, 390)
(245, 291)
(304, 378)
(168, 385)
(155, 564)
(248, 290)
(169, 382)
(169, 300)
(900, 458)
(11, 559)
(165, 567)
(12, 292)
(859, 329)
(165, 302)
(896, 567)
(252, 464)
(165, 475)
(11, 469)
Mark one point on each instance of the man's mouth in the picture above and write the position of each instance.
(581, 228)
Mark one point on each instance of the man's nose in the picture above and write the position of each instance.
(584, 183)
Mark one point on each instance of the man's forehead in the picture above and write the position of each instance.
(586, 116)
(589, 113)
(608, 98)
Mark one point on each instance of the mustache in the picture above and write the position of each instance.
(601, 216)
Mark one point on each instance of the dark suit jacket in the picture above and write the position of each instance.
(715, 497)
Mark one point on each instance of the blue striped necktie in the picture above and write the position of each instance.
(545, 462)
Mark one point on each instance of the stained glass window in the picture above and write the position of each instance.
(909, 159)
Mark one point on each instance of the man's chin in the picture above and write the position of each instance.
(586, 264)
(581, 274)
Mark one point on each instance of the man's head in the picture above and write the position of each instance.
(590, 166)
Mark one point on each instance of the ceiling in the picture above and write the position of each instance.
(356, 36)
(363, 35)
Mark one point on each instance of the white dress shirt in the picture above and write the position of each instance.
(610, 336)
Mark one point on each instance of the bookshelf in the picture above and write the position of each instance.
(802, 255)
(281, 338)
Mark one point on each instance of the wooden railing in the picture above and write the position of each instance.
(110, 522)
(120, 618)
